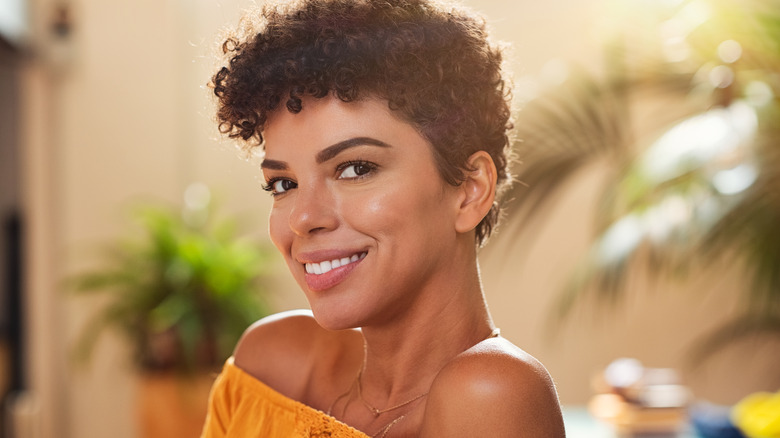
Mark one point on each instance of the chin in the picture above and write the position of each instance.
(335, 316)
(331, 309)
(329, 321)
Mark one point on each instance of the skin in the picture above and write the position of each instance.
(355, 179)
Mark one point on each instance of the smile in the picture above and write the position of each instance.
(328, 265)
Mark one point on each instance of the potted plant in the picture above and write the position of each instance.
(181, 293)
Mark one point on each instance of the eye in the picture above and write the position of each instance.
(355, 169)
(279, 186)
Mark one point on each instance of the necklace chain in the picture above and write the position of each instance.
(387, 427)
(377, 412)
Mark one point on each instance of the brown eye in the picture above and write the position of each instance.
(279, 186)
(355, 170)
(283, 185)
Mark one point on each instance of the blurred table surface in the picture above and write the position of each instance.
(580, 424)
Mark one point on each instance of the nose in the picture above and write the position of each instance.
(313, 211)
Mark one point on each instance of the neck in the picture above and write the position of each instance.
(403, 356)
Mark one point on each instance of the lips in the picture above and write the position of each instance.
(328, 273)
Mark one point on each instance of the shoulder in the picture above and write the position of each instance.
(275, 331)
(282, 350)
(493, 389)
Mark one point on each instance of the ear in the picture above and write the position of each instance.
(477, 192)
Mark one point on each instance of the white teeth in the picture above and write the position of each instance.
(328, 265)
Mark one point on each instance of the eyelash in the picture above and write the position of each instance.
(269, 185)
(371, 167)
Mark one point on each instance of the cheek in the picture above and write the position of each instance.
(402, 208)
(385, 209)
(278, 230)
(382, 211)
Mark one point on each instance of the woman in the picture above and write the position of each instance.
(384, 127)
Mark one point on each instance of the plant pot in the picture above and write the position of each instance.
(171, 405)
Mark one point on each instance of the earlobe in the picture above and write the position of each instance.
(478, 191)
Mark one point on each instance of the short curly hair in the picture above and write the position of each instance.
(435, 67)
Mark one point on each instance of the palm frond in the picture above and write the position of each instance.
(557, 136)
(688, 187)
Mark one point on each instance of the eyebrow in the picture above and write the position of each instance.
(329, 152)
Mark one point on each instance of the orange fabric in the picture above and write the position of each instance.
(240, 406)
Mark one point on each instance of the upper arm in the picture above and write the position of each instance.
(494, 395)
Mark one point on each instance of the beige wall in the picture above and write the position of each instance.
(124, 116)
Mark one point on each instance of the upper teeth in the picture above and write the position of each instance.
(323, 267)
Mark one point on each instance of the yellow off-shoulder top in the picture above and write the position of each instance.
(240, 406)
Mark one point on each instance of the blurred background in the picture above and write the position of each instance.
(646, 224)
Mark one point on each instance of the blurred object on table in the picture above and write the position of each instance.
(758, 415)
(639, 401)
(713, 421)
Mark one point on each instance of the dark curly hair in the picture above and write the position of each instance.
(434, 66)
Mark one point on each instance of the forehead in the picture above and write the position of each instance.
(326, 121)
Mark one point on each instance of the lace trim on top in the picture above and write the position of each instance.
(309, 422)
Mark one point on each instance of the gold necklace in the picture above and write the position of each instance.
(387, 427)
(377, 412)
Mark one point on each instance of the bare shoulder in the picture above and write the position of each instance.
(493, 389)
(281, 350)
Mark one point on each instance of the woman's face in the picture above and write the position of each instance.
(360, 213)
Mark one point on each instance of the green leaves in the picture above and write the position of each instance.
(181, 292)
(692, 183)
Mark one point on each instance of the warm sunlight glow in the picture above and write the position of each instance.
(721, 76)
(197, 196)
(736, 180)
(729, 51)
(621, 239)
(700, 139)
(758, 93)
